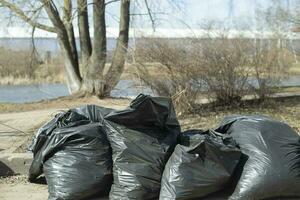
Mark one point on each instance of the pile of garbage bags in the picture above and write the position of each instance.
(141, 153)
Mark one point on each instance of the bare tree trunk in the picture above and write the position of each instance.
(93, 80)
(71, 65)
(70, 30)
(117, 66)
(84, 34)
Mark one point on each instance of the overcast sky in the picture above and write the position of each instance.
(195, 13)
(188, 13)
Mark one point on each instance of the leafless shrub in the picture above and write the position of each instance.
(225, 68)
(167, 68)
(221, 69)
(270, 63)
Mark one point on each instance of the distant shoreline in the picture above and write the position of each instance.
(9, 80)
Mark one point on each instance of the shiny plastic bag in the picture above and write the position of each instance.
(142, 138)
(74, 154)
(272, 166)
(202, 166)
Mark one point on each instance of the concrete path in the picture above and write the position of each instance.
(27, 191)
(15, 128)
(24, 191)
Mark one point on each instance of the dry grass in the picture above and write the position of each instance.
(63, 103)
(14, 179)
(292, 90)
(295, 69)
(23, 67)
(284, 109)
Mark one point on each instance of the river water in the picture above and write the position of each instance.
(125, 88)
(38, 92)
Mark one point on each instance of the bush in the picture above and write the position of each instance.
(270, 64)
(225, 69)
(222, 70)
(169, 70)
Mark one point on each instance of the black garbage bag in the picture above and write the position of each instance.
(203, 165)
(74, 154)
(142, 138)
(272, 169)
(62, 119)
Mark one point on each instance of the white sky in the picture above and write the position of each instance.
(192, 14)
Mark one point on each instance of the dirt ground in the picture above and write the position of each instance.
(18, 122)
(18, 188)
(24, 191)
(15, 188)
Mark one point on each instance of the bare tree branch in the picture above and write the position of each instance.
(15, 9)
(144, 14)
(150, 15)
(84, 33)
(71, 65)
(112, 1)
(117, 66)
(67, 20)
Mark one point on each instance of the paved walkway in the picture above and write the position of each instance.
(15, 128)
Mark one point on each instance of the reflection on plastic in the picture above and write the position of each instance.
(74, 154)
(203, 165)
(142, 138)
(273, 166)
